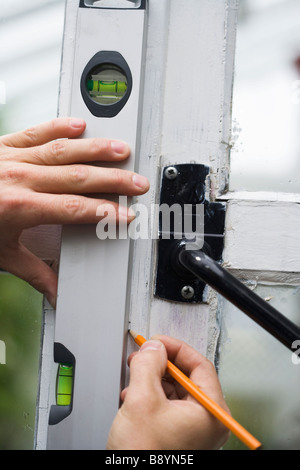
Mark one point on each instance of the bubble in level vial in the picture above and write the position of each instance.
(107, 88)
(64, 387)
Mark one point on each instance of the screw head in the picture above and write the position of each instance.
(171, 173)
(187, 292)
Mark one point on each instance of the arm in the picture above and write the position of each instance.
(45, 174)
(157, 413)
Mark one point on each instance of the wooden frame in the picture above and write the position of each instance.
(186, 118)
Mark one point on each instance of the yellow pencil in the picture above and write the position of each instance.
(207, 402)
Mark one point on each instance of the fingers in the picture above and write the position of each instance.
(148, 419)
(66, 151)
(203, 373)
(147, 368)
(42, 133)
(22, 263)
(79, 179)
(53, 143)
(193, 364)
(69, 209)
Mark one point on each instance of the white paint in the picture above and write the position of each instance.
(268, 196)
(262, 236)
(2, 352)
(191, 53)
(47, 377)
(198, 84)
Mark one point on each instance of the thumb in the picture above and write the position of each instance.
(147, 368)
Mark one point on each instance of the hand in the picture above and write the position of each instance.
(44, 181)
(157, 413)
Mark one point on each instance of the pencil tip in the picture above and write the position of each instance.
(133, 334)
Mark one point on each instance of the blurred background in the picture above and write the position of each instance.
(266, 105)
(258, 377)
(31, 38)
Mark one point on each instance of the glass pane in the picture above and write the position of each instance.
(30, 65)
(20, 332)
(259, 378)
(266, 99)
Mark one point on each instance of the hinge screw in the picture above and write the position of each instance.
(171, 173)
(187, 292)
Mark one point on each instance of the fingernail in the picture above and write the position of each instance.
(77, 123)
(51, 300)
(119, 147)
(140, 181)
(151, 345)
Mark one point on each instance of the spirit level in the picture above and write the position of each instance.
(106, 90)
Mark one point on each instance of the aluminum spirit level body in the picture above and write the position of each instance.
(106, 91)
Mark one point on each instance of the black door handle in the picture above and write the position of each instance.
(209, 271)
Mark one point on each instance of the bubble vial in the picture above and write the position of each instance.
(106, 84)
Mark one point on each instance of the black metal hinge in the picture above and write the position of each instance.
(186, 216)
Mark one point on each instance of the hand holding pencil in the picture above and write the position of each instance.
(157, 412)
